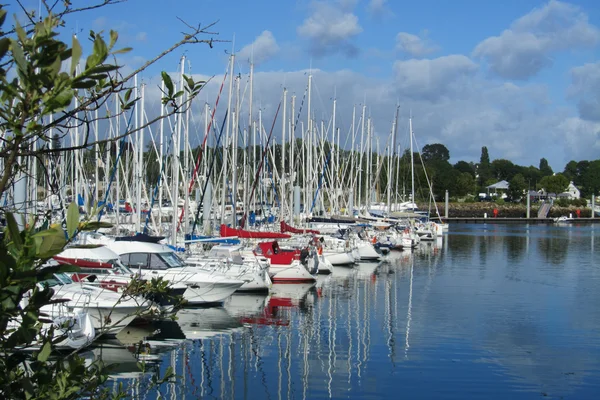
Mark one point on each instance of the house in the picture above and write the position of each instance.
(571, 193)
(502, 185)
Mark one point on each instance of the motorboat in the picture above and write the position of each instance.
(230, 261)
(110, 311)
(101, 266)
(152, 260)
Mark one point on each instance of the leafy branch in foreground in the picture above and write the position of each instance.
(47, 89)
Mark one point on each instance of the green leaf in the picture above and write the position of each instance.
(21, 34)
(53, 243)
(75, 55)
(113, 38)
(83, 84)
(2, 16)
(18, 55)
(13, 230)
(123, 50)
(72, 219)
(100, 49)
(45, 352)
(95, 225)
(168, 83)
(4, 45)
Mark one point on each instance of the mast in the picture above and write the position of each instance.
(360, 167)
(352, 156)
(283, 140)
(225, 142)
(335, 169)
(140, 155)
(234, 158)
(391, 160)
(160, 154)
(96, 152)
(292, 166)
(246, 136)
(175, 166)
(412, 164)
(308, 158)
(186, 168)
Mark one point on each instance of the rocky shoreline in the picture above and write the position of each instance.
(477, 210)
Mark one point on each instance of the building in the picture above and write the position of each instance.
(571, 193)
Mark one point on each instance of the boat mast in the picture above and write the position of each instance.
(293, 174)
(391, 160)
(139, 114)
(412, 164)
(360, 167)
(246, 135)
(226, 141)
(160, 154)
(283, 140)
(234, 143)
(352, 155)
(175, 166)
(308, 158)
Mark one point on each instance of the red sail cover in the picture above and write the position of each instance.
(288, 228)
(242, 234)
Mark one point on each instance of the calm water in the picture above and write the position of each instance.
(490, 311)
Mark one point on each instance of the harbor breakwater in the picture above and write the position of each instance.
(508, 210)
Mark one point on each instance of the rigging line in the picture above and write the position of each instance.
(156, 188)
(199, 159)
(212, 164)
(243, 222)
(115, 168)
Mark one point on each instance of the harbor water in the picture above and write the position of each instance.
(488, 311)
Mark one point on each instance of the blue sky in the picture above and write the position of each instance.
(521, 77)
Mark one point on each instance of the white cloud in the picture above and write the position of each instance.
(414, 45)
(432, 78)
(141, 36)
(526, 48)
(585, 88)
(331, 27)
(262, 49)
(378, 7)
(450, 103)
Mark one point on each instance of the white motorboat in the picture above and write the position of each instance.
(101, 266)
(229, 261)
(154, 260)
(110, 311)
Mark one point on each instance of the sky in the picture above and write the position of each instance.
(521, 77)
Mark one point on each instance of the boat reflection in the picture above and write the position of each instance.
(484, 312)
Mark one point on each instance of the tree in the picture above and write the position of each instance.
(517, 186)
(545, 169)
(435, 151)
(554, 183)
(503, 169)
(484, 172)
(463, 166)
(571, 170)
(39, 82)
(465, 184)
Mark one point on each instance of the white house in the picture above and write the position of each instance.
(572, 192)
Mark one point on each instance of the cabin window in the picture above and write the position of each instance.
(172, 260)
(124, 259)
(156, 262)
(138, 260)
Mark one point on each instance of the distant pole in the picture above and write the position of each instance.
(446, 206)
(528, 204)
(593, 206)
